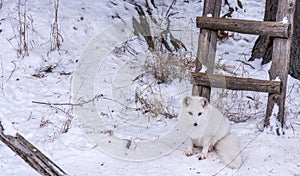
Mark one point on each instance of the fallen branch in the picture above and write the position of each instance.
(72, 104)
(30, 154)
(81, 103)
(243, 62)
(58, 104)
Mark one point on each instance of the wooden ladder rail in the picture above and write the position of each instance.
(280, 30)
(207, 44)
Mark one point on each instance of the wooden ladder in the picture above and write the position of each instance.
(280, 30)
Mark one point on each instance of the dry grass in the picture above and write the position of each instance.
(21, 25)
(166, 67)
(22, 50)
(169, 60)
(238, 106)
(55, 37)
(160, 70)
(152, 103)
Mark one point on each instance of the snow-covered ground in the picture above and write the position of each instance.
(93, 48)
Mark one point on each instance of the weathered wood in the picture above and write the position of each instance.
(30, 154)
(207, 44)
(263, 46)
(234, 83)
(280, 63)
(273, 29)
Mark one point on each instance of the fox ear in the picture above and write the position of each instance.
(186, 101)
(204, 102)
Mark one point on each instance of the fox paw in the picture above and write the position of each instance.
(202, 156)
(189, 153)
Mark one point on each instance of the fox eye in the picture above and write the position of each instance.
(190, 113)
(200, 113)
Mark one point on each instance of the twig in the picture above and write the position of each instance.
(246, 63)
(67, 123)
(173, 2)
(12, 72)
(70, 104)
(57, 104)
(101, 96)
(22, 29)
(55, 36)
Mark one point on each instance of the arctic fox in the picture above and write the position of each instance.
(211, 130)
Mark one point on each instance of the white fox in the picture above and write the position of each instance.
(211, 130)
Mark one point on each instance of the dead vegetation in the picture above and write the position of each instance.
(56, 38)
(169, 59)
(23, 21)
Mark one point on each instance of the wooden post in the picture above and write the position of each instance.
(207, 46)
(294, 69)
(280, 63)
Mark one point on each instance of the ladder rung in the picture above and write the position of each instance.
(274, 29)
(234, 83)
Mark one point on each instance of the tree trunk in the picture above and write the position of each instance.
(264, 44)
(294, 69)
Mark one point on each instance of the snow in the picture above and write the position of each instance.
(96, 39)
(277, 79)
(285, 20)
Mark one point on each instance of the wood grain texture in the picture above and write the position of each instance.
(30, 154)
(235, 83)
(268, 28)
(280, 63)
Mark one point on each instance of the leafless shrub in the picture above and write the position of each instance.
(123, 48)
(238, 106)
(166, 67)
(162, 41)
(153, 106)
(151, 102)
(55, 37)
(23, 23)
(169, 60)
(159, 71)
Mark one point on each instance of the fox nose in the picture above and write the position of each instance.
(195, 124)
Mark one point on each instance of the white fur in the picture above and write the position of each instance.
(210, 130)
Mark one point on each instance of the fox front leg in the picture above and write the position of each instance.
(189, 148)
(204, 152)
(211, 148)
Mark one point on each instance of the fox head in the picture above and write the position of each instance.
(195, 108)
